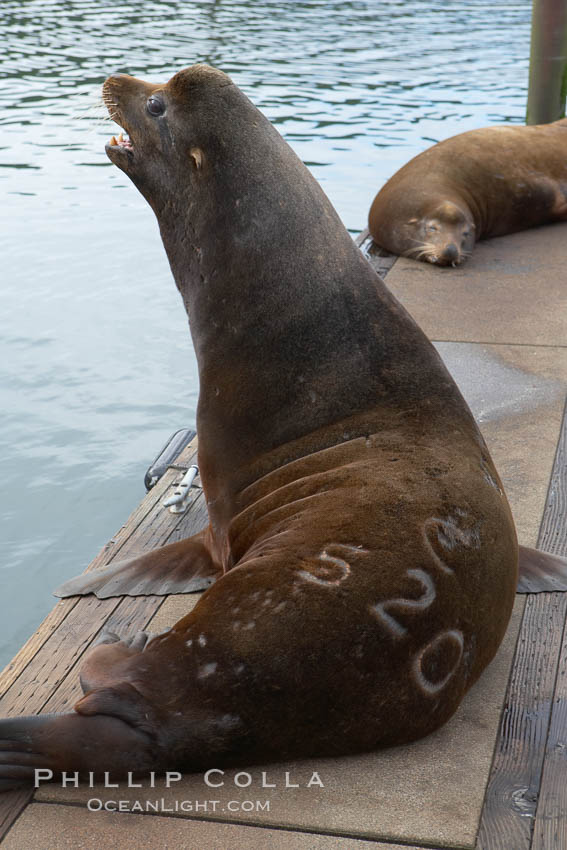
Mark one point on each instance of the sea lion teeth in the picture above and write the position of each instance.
(120, 137)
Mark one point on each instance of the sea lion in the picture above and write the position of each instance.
(483, 183)
(368, 554)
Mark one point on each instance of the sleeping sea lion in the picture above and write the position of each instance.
(366, 551)
(483, 183)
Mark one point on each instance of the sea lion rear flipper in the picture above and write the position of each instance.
(541, 572)
(183, 567)
(40, 748)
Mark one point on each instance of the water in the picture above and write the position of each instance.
(96, 365)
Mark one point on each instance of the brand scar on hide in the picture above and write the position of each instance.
(440, 536)
(391, 624)
(331, 570)
(434, 656)
(444, 535)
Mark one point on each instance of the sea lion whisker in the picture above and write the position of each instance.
(417, 250)
(425, 250)
(91, 112)
(115, 117)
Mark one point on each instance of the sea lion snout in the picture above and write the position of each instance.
(136, 105)
(446, 234)
(450, 254)
(167, 139)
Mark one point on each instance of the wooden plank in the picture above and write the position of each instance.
(59, 613)
(132, 614)
(12, 804)
(191, 522)
(58, 655)
(34, 644)
(550, 828)
(553, 529)
(515, 784)
(512, 792)
(47, 669)
(362, 238)
(380, 259)
(43, 676)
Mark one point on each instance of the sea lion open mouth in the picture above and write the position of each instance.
(121, 142)
(120, 150)
(117, 145)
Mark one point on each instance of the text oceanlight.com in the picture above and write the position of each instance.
(163, 806)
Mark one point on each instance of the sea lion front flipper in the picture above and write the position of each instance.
(541, 572)
(183, 567)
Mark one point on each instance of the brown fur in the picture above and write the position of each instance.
(368, 551)
(483, 183)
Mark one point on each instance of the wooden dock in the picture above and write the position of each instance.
(495, 777)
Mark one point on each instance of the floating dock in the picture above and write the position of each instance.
(495, 777)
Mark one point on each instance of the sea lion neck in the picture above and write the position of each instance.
(253, 242)
(237, 226)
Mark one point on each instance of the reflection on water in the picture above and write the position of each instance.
(96, 367)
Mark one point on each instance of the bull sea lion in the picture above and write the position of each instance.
(367, 551)
(483, 183)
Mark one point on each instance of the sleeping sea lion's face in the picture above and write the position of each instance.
(444, 236)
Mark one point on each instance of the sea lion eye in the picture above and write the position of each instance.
(155, 105)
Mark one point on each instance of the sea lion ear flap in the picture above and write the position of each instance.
(196, 155)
